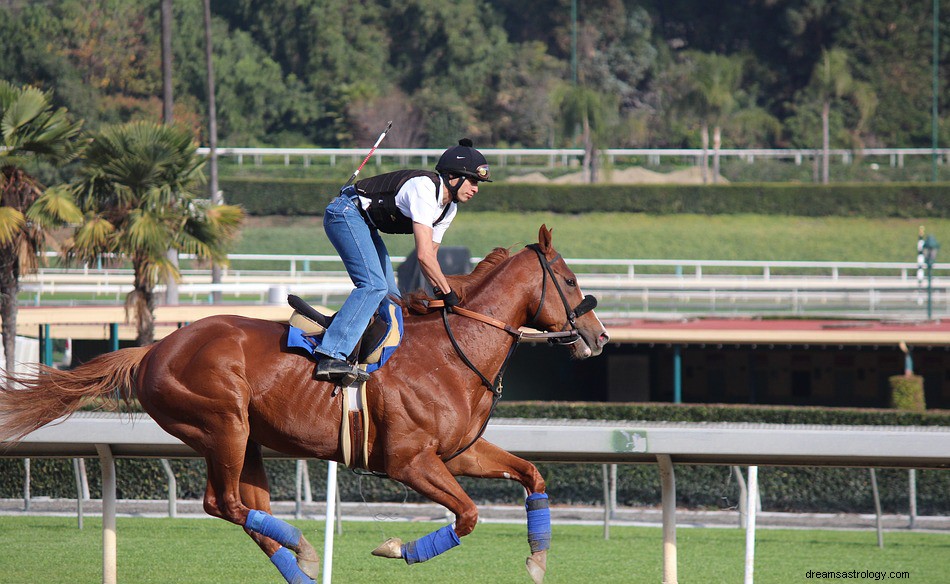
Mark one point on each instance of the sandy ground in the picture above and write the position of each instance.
(635, 175)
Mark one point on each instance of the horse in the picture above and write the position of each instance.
(227, 386)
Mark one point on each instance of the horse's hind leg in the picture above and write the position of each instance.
(485, 460)
(255, 493)
(226, 448)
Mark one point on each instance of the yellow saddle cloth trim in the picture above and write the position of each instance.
(312, 328)
(309, 327)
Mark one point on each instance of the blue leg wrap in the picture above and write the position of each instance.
(539, 522)
(269, 526)
(429, 546)
(286, 564)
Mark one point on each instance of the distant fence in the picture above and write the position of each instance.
(623, 286)
(552, 157)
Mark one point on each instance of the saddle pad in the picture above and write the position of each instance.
(306, 339)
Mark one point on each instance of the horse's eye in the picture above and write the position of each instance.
(571, 282)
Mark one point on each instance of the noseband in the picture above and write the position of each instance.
(585, 305)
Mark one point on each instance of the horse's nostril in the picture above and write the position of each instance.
(602, 340)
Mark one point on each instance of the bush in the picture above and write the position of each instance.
(309, 197)
(907, 392)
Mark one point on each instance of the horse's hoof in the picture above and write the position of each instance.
(391, 548)
(536, 564)
(309, 567)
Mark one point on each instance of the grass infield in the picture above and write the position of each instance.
(194, 551)
(632, 235)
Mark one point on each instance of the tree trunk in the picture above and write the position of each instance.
(145, 318)
(825, 139)
(216, 196)
(171, 286)
(166, 9)
(140, 305)
(588, 150)
(9, 287)
(717, 143)
(704, 136)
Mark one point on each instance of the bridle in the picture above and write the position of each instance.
(569, 334)
(585, 305)
(562, 337)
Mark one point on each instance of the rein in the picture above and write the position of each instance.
(565, 337)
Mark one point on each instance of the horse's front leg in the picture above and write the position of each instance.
(427, 475)
(485, 460)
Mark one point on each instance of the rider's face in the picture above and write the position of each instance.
(467, 190)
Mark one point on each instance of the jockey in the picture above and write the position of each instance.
(417, 202)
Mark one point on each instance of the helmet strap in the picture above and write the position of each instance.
(454, 191)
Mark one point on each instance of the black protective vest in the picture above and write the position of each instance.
(381, 190)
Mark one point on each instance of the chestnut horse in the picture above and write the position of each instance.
(227, 386)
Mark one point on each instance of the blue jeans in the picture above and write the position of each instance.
(367, 262)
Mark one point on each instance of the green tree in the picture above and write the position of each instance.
(891, 48)
(712, 82)
(32, 131)
(832, 81)
(592, 114)
(139, 190)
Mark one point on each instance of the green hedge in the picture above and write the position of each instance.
(310, 197)
(800, 489)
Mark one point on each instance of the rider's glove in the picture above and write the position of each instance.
(450, 299)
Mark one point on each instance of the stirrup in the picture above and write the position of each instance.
(343, 374)
(358, 375)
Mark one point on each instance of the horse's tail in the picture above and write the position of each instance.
(30, 401)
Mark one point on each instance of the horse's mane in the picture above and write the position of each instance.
(417, 302)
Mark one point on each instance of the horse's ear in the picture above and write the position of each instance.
(544, 238)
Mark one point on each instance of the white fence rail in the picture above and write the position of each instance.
(109, 436)
(563, 156)
(624, 286)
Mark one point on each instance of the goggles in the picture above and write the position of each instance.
(481, 173)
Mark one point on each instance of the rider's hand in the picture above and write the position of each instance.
(450, 298)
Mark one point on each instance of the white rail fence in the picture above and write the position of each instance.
(624, 286)
(552, 157)
(109, 436)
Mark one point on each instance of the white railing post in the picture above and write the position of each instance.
(668, 498)
(109, 555)
(750, 523)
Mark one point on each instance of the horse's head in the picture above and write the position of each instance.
(561, 306)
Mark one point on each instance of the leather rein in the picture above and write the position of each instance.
(564, 336)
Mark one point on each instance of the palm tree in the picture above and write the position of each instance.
(31, 131)
(713, 83)
(139, 190)
(585, 109)
(832, 80)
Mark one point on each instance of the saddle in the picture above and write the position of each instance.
(381, 334)
(380, 339)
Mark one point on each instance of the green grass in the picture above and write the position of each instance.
(606, 235)
(194, 551)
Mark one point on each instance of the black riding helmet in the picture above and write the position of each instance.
(465, 161)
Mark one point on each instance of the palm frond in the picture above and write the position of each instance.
(11, 225)
(145, 233)
(93, 237)
(54, 208)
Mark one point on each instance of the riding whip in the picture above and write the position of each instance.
(375, 146)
